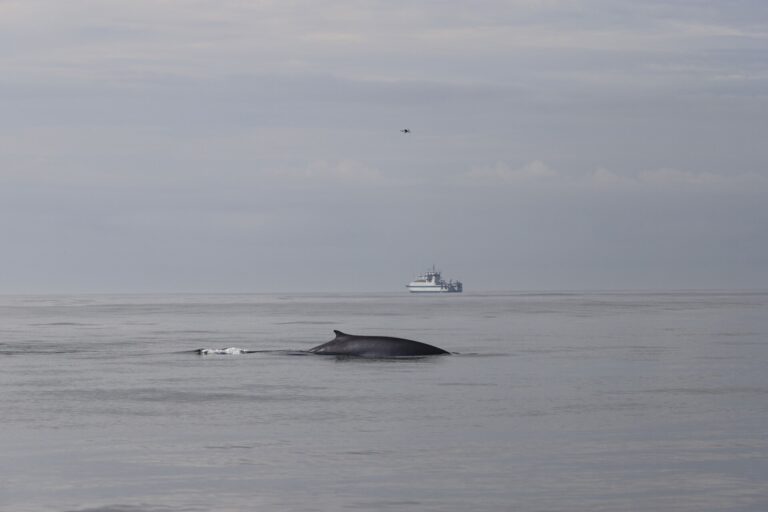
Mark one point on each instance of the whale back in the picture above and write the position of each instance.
(375, 346)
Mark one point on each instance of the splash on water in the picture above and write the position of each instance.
(221, 351)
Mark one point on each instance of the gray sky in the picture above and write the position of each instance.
(254, 145)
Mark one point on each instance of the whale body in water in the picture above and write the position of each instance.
(375, 346)
(348, 345)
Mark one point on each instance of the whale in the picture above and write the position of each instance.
(347, 345)
(375, 346)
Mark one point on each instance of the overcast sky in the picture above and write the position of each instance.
(254, 145)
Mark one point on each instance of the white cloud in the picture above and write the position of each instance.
(502, 172)
(678, 177)
(604, 177)
(542, 174)
(345, 171)
(119, 41)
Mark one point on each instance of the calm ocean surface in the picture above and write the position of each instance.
(556, 402)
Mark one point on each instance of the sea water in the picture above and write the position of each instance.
(554, 402)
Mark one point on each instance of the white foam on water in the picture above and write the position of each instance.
(221, 351)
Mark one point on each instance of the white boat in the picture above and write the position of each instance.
(432, 282)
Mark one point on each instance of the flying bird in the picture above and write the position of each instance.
(405, 130)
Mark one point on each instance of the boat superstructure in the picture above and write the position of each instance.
(432, 282)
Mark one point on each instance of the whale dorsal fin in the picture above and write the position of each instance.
(339, 333)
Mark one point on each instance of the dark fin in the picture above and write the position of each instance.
(338, 333)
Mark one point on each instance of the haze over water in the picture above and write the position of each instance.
(556, 402)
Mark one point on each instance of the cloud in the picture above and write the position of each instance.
(194, 121)
(128, 42)
(502, 172)
(676, 178)
(604, 177)
(538, 172)
(344, 172)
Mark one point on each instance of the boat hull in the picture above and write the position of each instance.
(429, 289)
